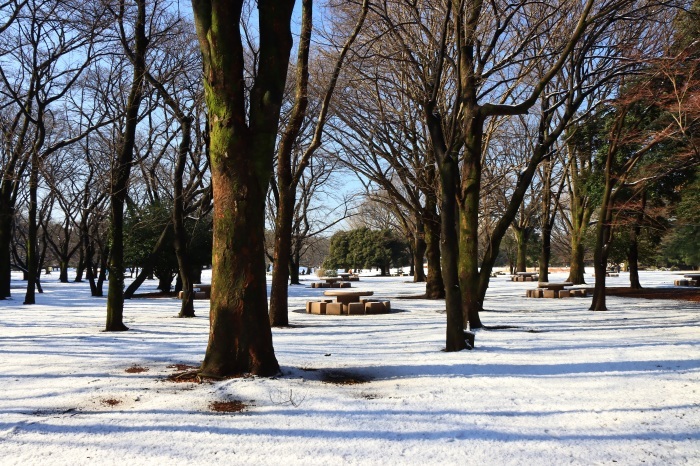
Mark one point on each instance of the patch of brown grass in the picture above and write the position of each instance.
(110, 402)
(233, 406)
(136, 369)
(683, 294)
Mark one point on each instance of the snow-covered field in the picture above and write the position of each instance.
(566, 386)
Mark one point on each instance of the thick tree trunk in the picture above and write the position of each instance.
(469, 222)
(242, 148)
(577, 265)
(240, 340)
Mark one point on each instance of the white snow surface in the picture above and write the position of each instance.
(563, 386)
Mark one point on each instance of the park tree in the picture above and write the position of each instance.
(135, 49)
(291, 163)
(243, 125)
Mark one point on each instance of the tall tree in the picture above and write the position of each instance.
(123, 161)
(242, 134)
(289, 174)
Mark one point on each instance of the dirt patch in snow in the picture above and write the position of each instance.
(233, 406)
(683, 294)
(110, 402)
(343, 378)
(136, 369)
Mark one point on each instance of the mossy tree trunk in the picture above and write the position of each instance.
(242, 148)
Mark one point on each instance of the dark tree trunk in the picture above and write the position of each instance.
(178, 217)
(419, 248)
(434, 286)
(5, 246)
(63, 271)
(545, 253)
(120, 177)
(165, 282)
(279, 312)
(633, 252)
(469, 197)
(80, 266)
(32, 237)
(294, 269)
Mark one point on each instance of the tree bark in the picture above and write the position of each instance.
(6, 216)
(434, 286)
(242, 150)
(32, 238)
(120, 176)
(419, 248)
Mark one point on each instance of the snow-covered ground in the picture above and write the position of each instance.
(566, 386)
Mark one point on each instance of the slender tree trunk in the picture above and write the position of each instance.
(32, 237)
(545, 253)
(434, 286)
(120, 178)
(633, 252)
(603, 240)
(279, 313)
(80, 267)
(178, 217)
(419, 248)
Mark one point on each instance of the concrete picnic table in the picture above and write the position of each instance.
(550, 290)
(554, 286)
(524, 276)
(347, 297)
(344, 275)
(692, 276)
(330, 279)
